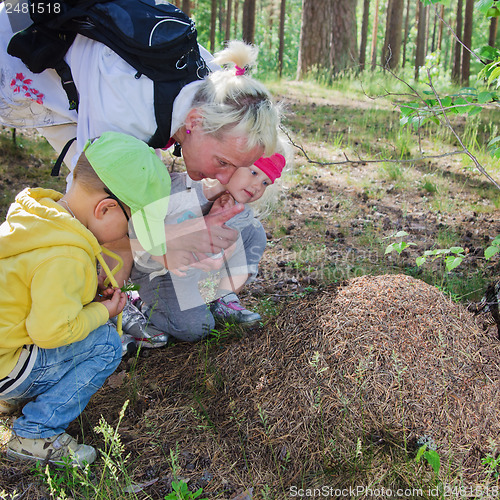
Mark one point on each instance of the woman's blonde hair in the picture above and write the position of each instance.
(236, 103)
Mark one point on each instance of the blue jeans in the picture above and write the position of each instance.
(62, 382)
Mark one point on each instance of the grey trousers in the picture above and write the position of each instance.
(176, 304)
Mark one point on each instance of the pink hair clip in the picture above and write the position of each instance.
(239, 71)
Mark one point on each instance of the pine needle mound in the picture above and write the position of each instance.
(376, 363)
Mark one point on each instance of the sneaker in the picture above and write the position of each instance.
(7, 408)
(52, 449)
(136, 324)
(229, 308)
(129, 347)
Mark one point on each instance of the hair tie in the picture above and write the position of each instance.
(239, 71)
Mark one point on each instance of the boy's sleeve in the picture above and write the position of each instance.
(62, 311)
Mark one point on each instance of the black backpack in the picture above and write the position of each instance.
(154, 37)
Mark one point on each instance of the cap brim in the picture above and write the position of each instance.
(149, 227)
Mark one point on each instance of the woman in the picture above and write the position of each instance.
(223, 122)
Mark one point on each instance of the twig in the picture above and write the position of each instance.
(465, 150)
(362, 160)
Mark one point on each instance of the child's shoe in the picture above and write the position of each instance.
(129, 347)
(7, 408)
(229, 308)
(136, 324)
(52, 449)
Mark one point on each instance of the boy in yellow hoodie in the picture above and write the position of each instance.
(57, 346)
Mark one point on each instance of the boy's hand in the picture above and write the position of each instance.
(114, 301)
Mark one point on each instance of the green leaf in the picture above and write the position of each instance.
(399, 234)
(475, 110)
(456, 250)
(494, 75)
(491, 251)
(484, 5)
(420, 260)
(494, 141)
(433, 460)
(452, 262)
(487, 52)
(493, 12)
(446, 101)
(420, 452)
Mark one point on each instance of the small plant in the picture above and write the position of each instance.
(493, 249)
(453, 257)
(493, 465)
(398, 246)
(181, 492)
(431, 456)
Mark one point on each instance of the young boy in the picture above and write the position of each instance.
(171, 300)
(56, 344)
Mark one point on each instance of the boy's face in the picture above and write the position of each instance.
(248, 184)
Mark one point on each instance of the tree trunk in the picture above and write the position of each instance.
(344, 42)
(236, 12)
(420, 50)
(393, 34)
(227, 29)
(186, 7)
(281, 37)
(493, 31)
(213, 19)
(364, 34)
(440, 29)
(407, 32)
(457, 57)
(469, 14)
(248, 21)
(327, 36)
(373, 52)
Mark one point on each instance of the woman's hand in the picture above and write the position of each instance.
(204, 235)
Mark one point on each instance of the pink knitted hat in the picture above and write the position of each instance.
(272, 166)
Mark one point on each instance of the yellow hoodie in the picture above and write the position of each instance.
(48, 277)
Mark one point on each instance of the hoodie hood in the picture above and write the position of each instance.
(35, 221)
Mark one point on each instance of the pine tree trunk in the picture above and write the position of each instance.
(457, 57)
(373, 52)
(248, 21)
(393, 34)
(186, 7)
(469, 14)
(213, 20)
(407, 32)
(493, 32)
(327, 36)
(364, 34)
(227, 29)
(281, 37)
(440, 29)
(420, 51)
(236, 12)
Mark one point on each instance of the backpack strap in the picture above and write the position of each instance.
(57, 165)
(64, 72)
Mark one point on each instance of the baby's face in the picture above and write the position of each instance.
(248, 184)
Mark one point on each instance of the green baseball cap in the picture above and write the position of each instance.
(131, 170)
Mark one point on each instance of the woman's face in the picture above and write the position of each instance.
(208, 157)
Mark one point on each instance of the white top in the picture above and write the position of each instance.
(111, 98)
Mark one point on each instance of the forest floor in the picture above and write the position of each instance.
(330, 223)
